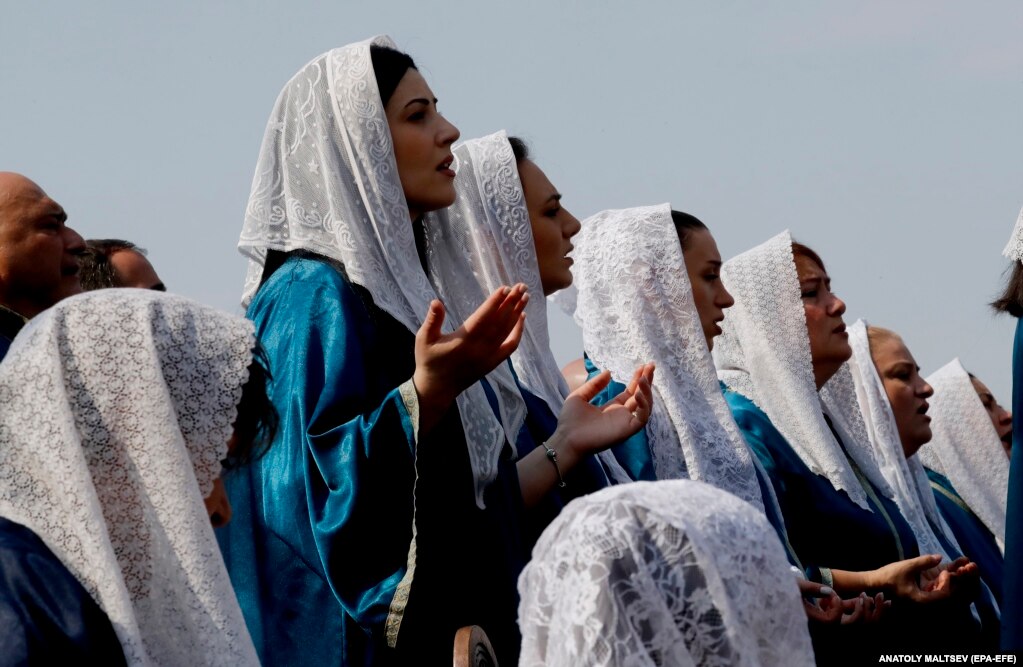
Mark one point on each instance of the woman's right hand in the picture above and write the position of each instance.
(922, 579)
(447, 364)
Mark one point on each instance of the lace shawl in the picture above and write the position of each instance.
(326, 181)
(866, 412)
(1014, 248)
(487, 234)
(764, 354)
(635, 304)
(965, 447)
(661, 573)
(117, 409)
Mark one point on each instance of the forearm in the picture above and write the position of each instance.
(538, 473)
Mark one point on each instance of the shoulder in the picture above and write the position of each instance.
(309, 288)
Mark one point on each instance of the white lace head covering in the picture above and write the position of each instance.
(867, 415)
(117, 409)
(326, 181)
(764, 354)
(661, 573)
(635, 304)
(965, 447)
(1014, 249)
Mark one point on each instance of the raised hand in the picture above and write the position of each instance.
(585, 428)
(447, 364)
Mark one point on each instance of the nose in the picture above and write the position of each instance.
(448, 134)
(724, 299)
(73, 242)
(926, 391)
(837, 308)
(1004, 416)
(571, 224)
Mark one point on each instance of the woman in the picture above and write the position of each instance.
(508, 226)
(118, 410)
(393, 455)
(783, 340)
(660, 573)
(968, 473)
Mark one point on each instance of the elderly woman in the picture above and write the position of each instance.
(119, 407)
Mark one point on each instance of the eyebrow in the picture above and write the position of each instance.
(715, 262)
(420, 100)
(554, 197)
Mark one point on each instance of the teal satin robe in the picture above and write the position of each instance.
(319, 543)
(1012, 591)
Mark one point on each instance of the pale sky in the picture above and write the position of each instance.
(884, 134)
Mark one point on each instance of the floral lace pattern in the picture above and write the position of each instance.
(965, 447)
(764, 354)
(118, 406)
(326, 181)
(635, 304)
(1014, 249)
(866, 412)
(661, 573)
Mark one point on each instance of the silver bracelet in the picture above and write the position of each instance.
(553, 456)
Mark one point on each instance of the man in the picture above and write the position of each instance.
(117, 263)
(38, 254)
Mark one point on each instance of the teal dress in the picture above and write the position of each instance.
(318, 549)
(1012, 591)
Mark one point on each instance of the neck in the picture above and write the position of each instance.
(821, 374)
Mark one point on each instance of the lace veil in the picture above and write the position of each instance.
(867, 414)
(966, 448)
(661, 573)
(326, 181)
(118, 406)
(764, 354)
(1014, 249)
(635, 304)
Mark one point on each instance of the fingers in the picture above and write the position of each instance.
(511, 341)
(499, 310)
(432, 322)
(921, 563)
(589, 390)
(856, 612)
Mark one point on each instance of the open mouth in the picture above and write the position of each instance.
(445, 166)
(1007, 439)
(922, 411)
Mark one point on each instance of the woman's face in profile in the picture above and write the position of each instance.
(552, 226)
(829, 342)
(703, 265)
(907, 392)
(422, 140)
(1001, 418)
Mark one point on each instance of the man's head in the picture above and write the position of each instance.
(117, 263)
(38, 251)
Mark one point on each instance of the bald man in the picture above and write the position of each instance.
(38, 254)
(117, 263)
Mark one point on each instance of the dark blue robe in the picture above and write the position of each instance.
(46, 616)
(1012, 591)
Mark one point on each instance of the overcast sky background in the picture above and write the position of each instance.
(884, 134)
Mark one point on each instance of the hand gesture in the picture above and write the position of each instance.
(588, 429)
(923, 579)
(447, 364)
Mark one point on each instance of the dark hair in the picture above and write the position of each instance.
(684, 224)
(389, 66)
(256, 424)
(1011, 299)
(800, 250)
(520, 148)
(96, 271)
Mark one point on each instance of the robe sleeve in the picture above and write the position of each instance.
(346, 442)
(633, 453)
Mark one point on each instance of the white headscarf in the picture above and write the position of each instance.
(326, 181)
(965, 447)
(635, 304)
(1014, 248)
(867, 414)
(764, 354)
(117, 409)
(660, 573)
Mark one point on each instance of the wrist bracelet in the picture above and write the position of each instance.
(553, 456)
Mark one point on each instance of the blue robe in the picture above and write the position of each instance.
(46, 615)
(1012, 591)
(828, 530)
(319, 543)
